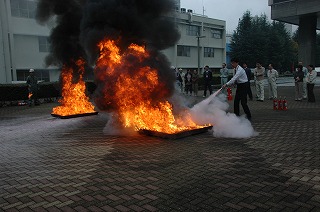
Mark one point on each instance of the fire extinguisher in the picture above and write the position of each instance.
(280, 104)
(275, 104)
(229, 96)
(284, 104)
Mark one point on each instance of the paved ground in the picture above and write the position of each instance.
(49, 164)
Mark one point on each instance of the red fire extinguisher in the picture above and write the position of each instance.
(280, 104)
(275, 104)
(229, 96)
(284, 104)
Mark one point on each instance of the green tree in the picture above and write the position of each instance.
(240, 47)
(258, 40)
(281, 50)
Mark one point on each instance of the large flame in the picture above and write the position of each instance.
(134, 87)
(74, 100)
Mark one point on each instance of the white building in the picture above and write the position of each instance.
(24, 43)
(211, 34)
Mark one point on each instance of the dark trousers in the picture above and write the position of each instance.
(249, 91)
(311, 97)
(241, 96)
(188, 88)
(207, 86)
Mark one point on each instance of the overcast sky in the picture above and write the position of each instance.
(228, 10)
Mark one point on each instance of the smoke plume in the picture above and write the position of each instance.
(82, 24)
(64, 37)
(213, 110)
(127, 22)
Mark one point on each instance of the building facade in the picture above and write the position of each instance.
(24, 43)
(202, 42)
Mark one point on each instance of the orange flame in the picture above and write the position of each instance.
(74, 100)
(30, 95)
(132, 96)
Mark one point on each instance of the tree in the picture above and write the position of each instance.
(240, 47)
(281, 51)
(258, 40)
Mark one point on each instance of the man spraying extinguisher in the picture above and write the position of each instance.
(241, 79)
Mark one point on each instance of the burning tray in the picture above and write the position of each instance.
(74, 115)
(178, 135)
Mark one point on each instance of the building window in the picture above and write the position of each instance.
(216, 33)
(44, 45)
(208, 52)
(23, 8)
(183, 51)
(193, 30)
(41, 74)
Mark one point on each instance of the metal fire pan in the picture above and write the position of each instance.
(174, 136)
(74, 115)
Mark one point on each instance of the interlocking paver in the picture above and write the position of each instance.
(51, 164)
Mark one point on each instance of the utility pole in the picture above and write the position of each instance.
(198, 44)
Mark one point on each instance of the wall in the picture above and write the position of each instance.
(26, 52)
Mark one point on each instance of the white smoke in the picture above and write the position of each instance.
(114, 128)
(213, 110)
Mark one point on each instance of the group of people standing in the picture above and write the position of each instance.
(305, 78)
(304, 83)
(188, 82)
(272, 75)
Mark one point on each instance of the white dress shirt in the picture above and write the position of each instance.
(240, 76)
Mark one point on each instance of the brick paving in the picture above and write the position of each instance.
(49, 164)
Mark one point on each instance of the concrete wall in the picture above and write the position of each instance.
(5, 62)
(19, 47)
(26, 52)
(289, 11)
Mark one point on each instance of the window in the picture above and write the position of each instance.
(41, 74)
(208, 52)
(216, 33)
(44, 45)
(183, 51)
(23, 8)
(193, 30)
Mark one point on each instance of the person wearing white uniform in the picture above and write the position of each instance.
(224, 75)
(259, 74)
(272, 81)
(311, 79)
(241, 79)
(304, 85)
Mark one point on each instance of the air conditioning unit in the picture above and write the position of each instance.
(190, 11)
(183, 10)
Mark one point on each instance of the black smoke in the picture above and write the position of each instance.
(134, 21)
(82, 24)
(64, 37)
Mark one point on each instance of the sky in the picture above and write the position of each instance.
(228, 10)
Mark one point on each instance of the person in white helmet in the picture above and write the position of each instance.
(32, 82)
